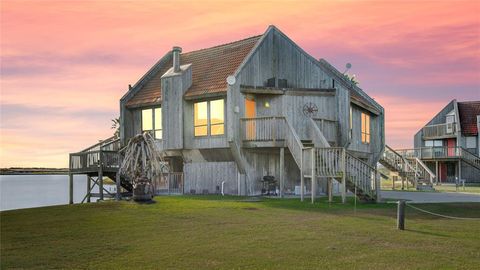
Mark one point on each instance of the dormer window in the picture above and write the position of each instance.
(209, 118)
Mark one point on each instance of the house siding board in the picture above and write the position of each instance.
(201, 176)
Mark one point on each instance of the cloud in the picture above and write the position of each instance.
(64, 68)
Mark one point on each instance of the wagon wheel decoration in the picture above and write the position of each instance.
(310, 109)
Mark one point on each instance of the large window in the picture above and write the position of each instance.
(209, 118)
(365, 128)
(152, 121)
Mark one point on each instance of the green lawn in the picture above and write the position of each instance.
(469, 188)
(224, 233)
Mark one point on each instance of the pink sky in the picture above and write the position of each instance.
(65, 64)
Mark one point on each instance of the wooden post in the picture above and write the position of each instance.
(89, 193)
(344, 183)
(118, 195)
(330, 190)
(403, 182)
(459, 169)
(70, 187)
(314, 180)
(100, 175)
(282, 170)
(401, 215)
(302, 179)
(436, 172)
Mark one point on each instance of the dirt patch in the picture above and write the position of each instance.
(251, 208)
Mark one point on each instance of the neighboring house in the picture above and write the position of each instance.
(449, 143)
(228, 115)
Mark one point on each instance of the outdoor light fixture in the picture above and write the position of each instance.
(267, 105)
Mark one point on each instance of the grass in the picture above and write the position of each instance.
(210, 232)
(469, 188)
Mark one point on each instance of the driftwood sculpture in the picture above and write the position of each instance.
(141, 163)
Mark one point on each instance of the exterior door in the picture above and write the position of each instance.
(443, 172)
(250, 113)
(451, 143)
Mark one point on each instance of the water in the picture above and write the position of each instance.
(28, 191)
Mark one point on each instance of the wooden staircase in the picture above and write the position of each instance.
(410, 168)
(339, 164)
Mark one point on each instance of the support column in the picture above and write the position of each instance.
(436, 172)
(330, 189)
(100, 176)
(459, 169)
(70, 188)
(89, 187)
(282, 171)
(314, 179)
(118, 195)
(344, 183)
(302, 180)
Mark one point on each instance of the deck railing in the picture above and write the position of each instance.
(90, 161)
(432, 152)
(267, 128)
(440, 130)
(329, 128)
(110, 144)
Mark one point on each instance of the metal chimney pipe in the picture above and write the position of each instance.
(176, 58)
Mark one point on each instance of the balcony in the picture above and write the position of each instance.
(440, 131)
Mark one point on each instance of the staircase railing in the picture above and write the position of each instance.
(423, 171)
(361, 174)
(329, 128)
(392, 158)
(470, 158)
(293, 143)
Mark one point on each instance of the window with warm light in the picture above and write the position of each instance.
(209, 118)
(365, 128)
(152, 121)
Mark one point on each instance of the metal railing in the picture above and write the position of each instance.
(440, 130)
(169, 183)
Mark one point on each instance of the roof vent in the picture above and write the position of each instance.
(176, 58)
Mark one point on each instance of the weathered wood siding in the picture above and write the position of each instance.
(173, 88)
(208, 176)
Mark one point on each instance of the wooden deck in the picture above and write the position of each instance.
(440, 131)
(272, 131)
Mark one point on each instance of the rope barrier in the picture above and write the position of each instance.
(440, 215)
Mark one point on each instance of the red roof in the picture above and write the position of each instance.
(210, 69)
(468, 112)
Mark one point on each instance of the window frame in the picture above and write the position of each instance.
(154, 130)
(367, 138)
(209, 118)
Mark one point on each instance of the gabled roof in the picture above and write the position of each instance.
(356, 93)
(210, 68)
(467, 112)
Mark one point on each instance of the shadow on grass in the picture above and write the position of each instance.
(428, 233)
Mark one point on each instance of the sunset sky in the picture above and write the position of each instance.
(66, 64)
